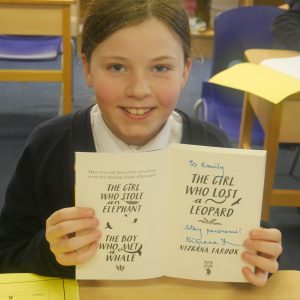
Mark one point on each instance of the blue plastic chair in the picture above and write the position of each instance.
(28, 48)
(15, 47)
(239, 29)
(222, 107)
(236, 30)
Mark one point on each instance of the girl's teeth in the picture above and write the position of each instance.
(137, 111)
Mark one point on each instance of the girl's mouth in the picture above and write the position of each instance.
(136, 111)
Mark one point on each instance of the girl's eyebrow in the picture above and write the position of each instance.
(163, 57)
(159, 58)
(114, 57)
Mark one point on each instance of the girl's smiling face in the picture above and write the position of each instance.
(137, 74)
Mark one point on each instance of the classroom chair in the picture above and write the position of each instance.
(222, 107)
(40, 18)
(19, 47)
(235, 31)
(16, 48)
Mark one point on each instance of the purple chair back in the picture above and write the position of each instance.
(15, 47)
(236, 30)
(239, 29)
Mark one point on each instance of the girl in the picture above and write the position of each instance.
(136, 57)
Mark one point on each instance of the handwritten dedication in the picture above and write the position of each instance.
(183, 211)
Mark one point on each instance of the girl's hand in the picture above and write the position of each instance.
(267, 245)
(73, 235)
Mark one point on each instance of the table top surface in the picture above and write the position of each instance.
(209, 32)
(38, 2)
(258, 55)
(289, 132)
(283, 285)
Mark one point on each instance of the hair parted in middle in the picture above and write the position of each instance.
(108, 16)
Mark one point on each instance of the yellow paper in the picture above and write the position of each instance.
(71, 289)
(262, 81)
(19, 286)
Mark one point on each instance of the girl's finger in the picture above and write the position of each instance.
(69, 213)
(76, 258)
(267, 248)
(77, 242)
(64, 228)
(258, 278)
(266, 234)
(265, 264)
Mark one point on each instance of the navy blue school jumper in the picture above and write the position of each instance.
(43, 183)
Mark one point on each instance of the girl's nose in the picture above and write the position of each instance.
(138, 86)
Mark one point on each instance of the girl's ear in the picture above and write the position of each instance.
(86, 69)
(186, 72)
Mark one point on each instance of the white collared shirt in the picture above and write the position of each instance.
(106, 141)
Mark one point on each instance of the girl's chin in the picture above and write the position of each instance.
(137, 139)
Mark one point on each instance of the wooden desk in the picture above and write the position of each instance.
(202, 44)
(40, 17)
(284, 285)
(280, 123)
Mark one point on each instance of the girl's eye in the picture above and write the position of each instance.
(161, 68)
(116, 68)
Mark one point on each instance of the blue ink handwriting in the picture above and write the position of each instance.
(214, 165)
(219, 241)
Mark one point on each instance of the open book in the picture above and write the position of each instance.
(183, 211)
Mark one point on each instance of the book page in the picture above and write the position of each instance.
(25, 286)
(127, 192)
(216, 198)
(287, 65)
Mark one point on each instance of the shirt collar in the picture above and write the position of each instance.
(106, 141)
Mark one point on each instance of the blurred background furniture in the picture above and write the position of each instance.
(46, 18)
(281, 124)
(261, 2)
(239, 29)
(223, 107)
(20, 47)
(235, 31)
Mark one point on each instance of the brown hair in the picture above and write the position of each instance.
(108, 16)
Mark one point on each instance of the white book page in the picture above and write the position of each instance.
(126, 191)
(288, 65)
(216, 197)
